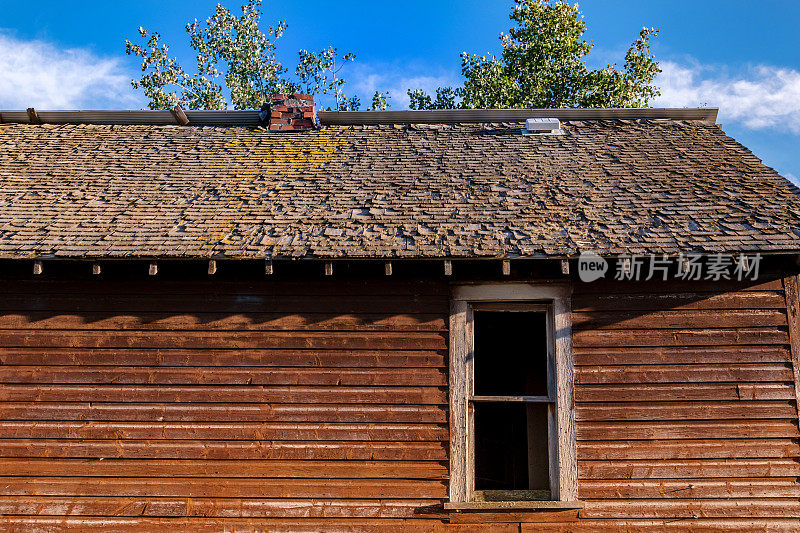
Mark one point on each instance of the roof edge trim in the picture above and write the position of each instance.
(139, 117)
(444, 116)
(515, 115)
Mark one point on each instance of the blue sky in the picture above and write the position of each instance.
(738, 55)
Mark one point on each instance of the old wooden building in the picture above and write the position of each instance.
(233, 321)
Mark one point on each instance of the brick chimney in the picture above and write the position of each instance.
(292, 112)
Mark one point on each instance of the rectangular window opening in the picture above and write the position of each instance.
(511, 401)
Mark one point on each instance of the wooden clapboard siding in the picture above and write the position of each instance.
(314, 406)
(685, 406)
(148, 403)
(200, 523)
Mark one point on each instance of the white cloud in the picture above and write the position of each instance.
(365, 79)
(758, 97)
(40, 74)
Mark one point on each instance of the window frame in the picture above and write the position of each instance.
(555, 299)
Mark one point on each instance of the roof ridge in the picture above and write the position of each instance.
(516, 115)
(440, 116)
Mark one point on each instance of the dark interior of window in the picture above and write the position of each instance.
(511, 448)
(510, 353)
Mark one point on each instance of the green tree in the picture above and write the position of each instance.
(543, 65)
(445, 99)
(380, 101)
(318, 72)
(235, 49)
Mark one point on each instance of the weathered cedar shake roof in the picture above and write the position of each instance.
(426, 190)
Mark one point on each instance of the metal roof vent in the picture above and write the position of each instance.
(542, 126)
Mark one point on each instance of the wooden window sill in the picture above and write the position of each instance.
(517, 504)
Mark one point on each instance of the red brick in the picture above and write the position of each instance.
(292, 117)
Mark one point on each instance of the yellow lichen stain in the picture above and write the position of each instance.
(251, 154)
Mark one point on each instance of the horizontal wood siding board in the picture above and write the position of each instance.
(677, 391)
(689, 449)
(680, 355)
(673, 524)
(689, 468)
(678, 337)
(432, 523)
(204, 321)
(650, 411)
(681, 300)
(627, 489)
(387, 525)
(202, 507)
(205, 468)
(209, 340)
(220, 487)
(757, 508)
(189, 359)
(224, 412)
(696, 373)
(703, 318)
(248, 394)
(687, 429)
(134, 378)
(224, 449)
(489, 519)
(248, 431)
